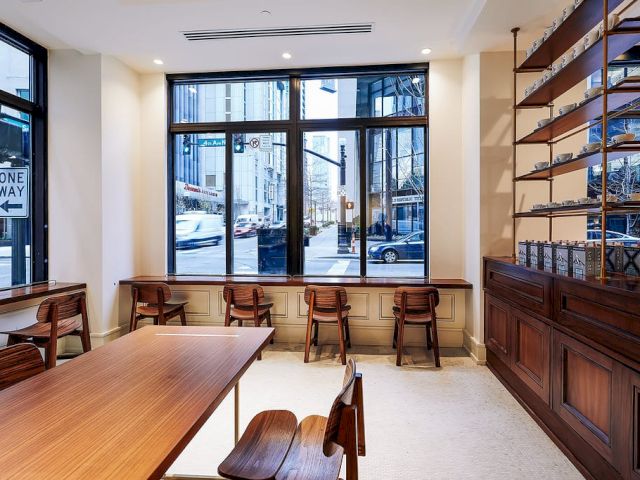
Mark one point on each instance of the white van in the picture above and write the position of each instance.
(245, 219)
(196, 229)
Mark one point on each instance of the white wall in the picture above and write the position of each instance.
(120, 174)
(94, 167)
(75, 187)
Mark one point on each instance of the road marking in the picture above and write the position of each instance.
(339, 267)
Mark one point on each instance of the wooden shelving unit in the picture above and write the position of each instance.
(598, 110)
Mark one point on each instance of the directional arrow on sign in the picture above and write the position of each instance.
(6, 206)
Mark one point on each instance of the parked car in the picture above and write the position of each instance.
(245, 229)
(259, 220)
(196, 229)
(409, 247)
(612, 237)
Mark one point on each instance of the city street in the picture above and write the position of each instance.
(321, 258)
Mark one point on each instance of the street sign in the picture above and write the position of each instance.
(254, 142)
(211, 142)
(14, 192)
(266, 143)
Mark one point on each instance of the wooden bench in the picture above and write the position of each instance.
(272, 448)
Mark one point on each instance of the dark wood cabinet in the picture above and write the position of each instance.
(630, 407)
(498, 328)
(583, 392)
(531, 358)
(569, 350)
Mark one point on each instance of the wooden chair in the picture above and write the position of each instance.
(272, 448)
(151, 300)
(245, 302)
(57, 317)
(416, 306)
(327, 305)
(19, 362)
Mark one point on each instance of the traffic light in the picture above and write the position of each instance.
(238, 143)
(186, 145)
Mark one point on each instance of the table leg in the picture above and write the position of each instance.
(236, 413)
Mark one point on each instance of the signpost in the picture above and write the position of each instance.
(14, 192)
(266, 143)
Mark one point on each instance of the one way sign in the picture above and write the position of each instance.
(14, 192)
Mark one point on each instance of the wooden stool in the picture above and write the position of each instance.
(19, 362)
(245, 302)
(56, 319)
(154, 298)
(327, 305)
(416, 306)
(273, 448)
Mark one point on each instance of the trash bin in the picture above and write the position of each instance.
(344, 238)
(272, 251)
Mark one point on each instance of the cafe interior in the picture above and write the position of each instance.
(286, 240)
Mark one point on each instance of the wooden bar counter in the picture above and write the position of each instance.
(569, 350)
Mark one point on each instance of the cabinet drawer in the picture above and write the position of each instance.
(531, 353)
(611, 320)
(497, 319)
(525, 287)
(585, 393)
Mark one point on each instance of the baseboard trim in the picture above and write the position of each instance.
(477, 351)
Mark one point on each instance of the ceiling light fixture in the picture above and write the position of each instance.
(425, 51)
(286, 56)
(157, 61)
(265, 12)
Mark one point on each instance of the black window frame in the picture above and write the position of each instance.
(37, 109)
(295, 127)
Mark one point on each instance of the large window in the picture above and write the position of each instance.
(22, 160)
(321, 172)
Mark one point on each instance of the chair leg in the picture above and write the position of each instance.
(429, 342)
(347, 332)
(269, 324)
(400, 344)
(436, 347)
(51, 353)
(183, 317)
(256, 323)
(307, 343)
(12, 340)
(343, 351)
(85, 337)
(316, 327)
(395, 333)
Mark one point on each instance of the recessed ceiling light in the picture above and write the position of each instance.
(157, 61)
(265, 12)
(425, 51)
(286, 56)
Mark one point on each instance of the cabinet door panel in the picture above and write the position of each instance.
(630, 421)
(583, 391)
(497, 317)
(531, 359)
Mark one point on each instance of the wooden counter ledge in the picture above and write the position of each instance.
(29, 292)
(301, 281)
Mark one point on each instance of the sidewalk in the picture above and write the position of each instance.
(324, 246)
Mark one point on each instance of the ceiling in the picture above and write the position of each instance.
(139, 31)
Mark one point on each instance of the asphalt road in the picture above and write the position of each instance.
(321, 258)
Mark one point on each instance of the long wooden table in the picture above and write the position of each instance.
(125, 410)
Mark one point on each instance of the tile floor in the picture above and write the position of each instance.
(457, 422)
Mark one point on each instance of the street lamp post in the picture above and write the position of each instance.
(343, 234)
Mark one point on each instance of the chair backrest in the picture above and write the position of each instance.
(241, 295)
(67, 306)
(417, 297)
(343, 400)
(152, 292)
(325, 297)
(19, 362)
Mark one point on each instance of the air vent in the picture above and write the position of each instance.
(347, 28)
